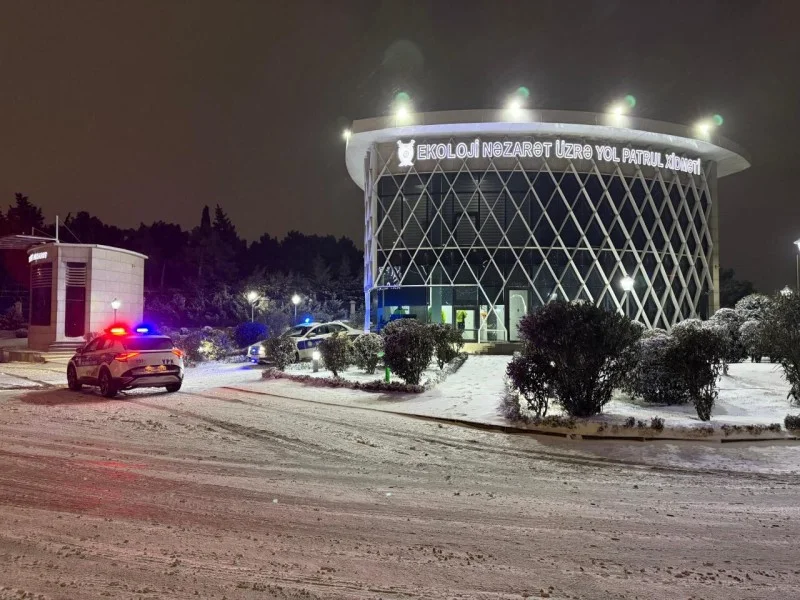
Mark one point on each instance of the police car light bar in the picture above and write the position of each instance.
(117, 331)
(142, 330)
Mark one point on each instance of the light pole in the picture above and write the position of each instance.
(251, 298)
(115, 304)
(295, 301)
(626, 283)
(797, 243)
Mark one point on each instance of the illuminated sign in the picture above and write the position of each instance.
(37, 256)
(408, 151)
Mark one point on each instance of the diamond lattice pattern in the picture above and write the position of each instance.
(571, 233)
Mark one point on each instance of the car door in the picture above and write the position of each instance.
(96, 358)
(83, 360)
(319, 334)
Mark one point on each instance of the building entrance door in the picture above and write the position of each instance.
(517, 308)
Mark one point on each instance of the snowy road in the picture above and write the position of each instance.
(216, 493)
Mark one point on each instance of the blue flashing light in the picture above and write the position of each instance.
(308, 320)
(145, 328)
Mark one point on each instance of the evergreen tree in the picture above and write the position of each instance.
(23, 216)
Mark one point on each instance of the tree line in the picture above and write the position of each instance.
(203, 275)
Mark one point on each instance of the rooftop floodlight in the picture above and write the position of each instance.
(704, 127)
(618, 108)
(346, 135)
(626, 283)
(797, 243)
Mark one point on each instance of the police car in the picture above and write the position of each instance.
(306, 337)
(121, 360)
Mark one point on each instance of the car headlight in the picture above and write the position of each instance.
(262, 351)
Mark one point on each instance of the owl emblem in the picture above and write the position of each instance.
(405, 152)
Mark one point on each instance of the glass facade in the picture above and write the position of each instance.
(480, 246)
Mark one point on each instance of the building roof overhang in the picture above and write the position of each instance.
(729, 157)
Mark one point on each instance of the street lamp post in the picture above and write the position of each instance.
(295, 301)
(797, 243)
(626, 283)
(115, 304)
(251, 298)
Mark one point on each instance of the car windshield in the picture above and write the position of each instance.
(298, 331)
(147, 343)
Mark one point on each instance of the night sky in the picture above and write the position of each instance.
(141, 111)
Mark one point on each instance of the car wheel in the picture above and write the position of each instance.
(173, 387)
(107, 387)
(72, 379)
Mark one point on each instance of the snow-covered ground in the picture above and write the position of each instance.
(752, 394)
(352, 373)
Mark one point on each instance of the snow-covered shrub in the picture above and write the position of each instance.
(408, 346)
(366, 348)
(586, 349)
(727, 322)
(782, 329)
(755, 344)
(630, 423)
(792, 422)
(280, 351)
(509, 402)
(532, 376)
(336, 353)
(697, 358)
(204, 344)
(248, 333)
(654, 377)
(447, 342)
(13, 318)
(753, 307)
(657, 424)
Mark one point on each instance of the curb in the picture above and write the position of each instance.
(511, 429)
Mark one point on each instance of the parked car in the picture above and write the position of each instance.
(306, 337)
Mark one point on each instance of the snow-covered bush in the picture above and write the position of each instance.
(13, 318)
(447, 342)
(792, 422)
(751, 333)
(580, 350)
(654, 377)
(532, 376)
(697, 359)
(204, 344)
(249, 333)
(336, 353)
(408, 346)
(782, 329)
(753, 307)
(509, 402)
(726, 322)
(280, 351)
(366, 348)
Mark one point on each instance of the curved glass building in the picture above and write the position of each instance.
(473, 218)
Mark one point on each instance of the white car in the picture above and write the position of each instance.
(121, 360)
(306, 337)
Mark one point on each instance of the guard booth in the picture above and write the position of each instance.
(80, 288)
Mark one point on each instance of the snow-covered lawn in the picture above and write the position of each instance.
(752, 394)
(352, 373)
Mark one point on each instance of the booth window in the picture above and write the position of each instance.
(41, 294)
(75, 313)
